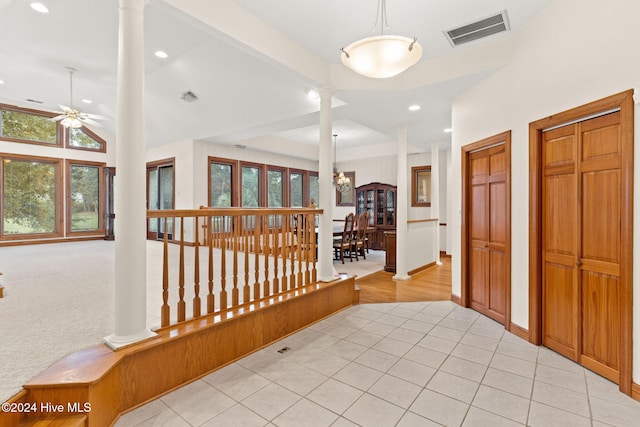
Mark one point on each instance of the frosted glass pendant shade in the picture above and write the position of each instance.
(381, 56)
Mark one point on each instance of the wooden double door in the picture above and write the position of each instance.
(487, 224)
(582, 206)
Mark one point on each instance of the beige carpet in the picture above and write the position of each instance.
(59, 299)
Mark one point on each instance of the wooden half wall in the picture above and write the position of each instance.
(114, 382)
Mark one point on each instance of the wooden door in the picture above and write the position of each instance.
(581, 226)
(488, 231)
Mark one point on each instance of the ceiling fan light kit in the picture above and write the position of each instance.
(381, 56)
(71, 117)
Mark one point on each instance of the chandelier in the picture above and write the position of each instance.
(343, 183)
(381, 56)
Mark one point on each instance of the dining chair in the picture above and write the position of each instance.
(342, 244)
(358, 244)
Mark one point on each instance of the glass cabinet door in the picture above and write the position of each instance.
(390, 211)
(360, 202)
(380, 207)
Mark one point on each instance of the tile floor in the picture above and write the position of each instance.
(399, 364)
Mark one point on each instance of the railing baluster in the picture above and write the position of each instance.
(307, 250)
(246, 294)
(196, 274)
(285, 244)
(223, 270)
(314, 248)
(234, 235)
(181, 304)
(256, 251)
(275, 233)
(166, 309)
(300, 243)
(292, 253)
(266, 249)
(210, 297)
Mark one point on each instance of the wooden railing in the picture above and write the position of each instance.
(241, 257)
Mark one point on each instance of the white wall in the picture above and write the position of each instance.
(570, 54)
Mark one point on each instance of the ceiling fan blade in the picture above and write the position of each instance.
(90, 122)
(65, 108)
(56, 118)
(94, 116)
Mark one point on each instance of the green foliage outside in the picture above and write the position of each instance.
(85, 198)
(220, 185)
(296, 190)
(275, 189)
(29, 197)
(30, 127)
(78, 138)
(250, 187)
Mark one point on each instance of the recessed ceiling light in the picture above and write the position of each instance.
(447, 130)
(39, 7)
(1, 82)
(313, 94)
(161, 54)
(87, 101)
(414, 107)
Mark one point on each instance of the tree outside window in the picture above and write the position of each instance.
(29, 196)
(85, 198)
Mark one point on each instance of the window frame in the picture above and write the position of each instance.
(305, 187)
(234, 178)
(261, 181)
(284, 187)
(90, 133)
(41, 113)
(58, 203)
(101, 196)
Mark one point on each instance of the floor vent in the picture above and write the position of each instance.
(477, 30)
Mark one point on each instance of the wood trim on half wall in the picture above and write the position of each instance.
(624, 102)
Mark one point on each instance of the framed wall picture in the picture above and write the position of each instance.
(421, 186)
(347, 198)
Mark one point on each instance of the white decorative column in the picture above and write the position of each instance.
(435, 196)
(130, 200)
(402, 207)
(327, 200)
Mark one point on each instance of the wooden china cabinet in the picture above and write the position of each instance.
(380, 201)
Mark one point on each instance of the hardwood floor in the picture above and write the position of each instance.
(432, 284)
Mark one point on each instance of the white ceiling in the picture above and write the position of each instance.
(251, 63)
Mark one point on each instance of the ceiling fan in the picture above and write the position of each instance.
(71, 117)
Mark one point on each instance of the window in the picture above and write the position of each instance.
(85, 207)
(251, 185)
(296, 189)
(30, 126)
(30, 197)
(46, 197)
(314, 189)
(221, 178)
(160, 195)
(421, 186)
(244, 184)
(275, 187)
(83, 139)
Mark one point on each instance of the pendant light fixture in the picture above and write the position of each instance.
(343, 183)
(382, 56)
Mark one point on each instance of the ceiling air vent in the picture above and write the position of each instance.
(189, 96)
(477, 30)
